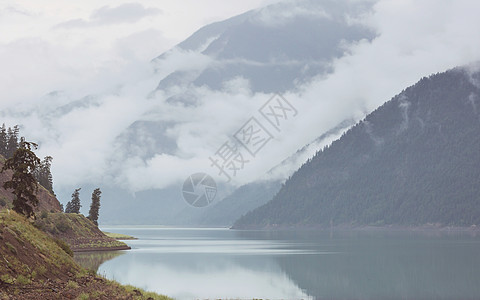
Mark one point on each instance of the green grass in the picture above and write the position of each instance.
(22, 280)
(119, 236)
(24, 233)
(50, 260)
(77, 230)
(145, 294)
(83, 296)
(72, 285)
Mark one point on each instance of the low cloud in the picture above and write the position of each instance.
(125, 13)
(107, 15)
(414, 39)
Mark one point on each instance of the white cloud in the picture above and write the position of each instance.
(107, 15)
(279, 15)
(127, 12)
(415, 39)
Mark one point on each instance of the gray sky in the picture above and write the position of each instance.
(104, 49)
(59, 44)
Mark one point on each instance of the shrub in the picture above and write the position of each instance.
(11, 248)
(44, 214)
(7, 279)
(83, 296)
(41, 270)
(72, 285)
(22, 280)
(63, 226)
(64, 246)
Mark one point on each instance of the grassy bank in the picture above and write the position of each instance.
(78, 231)
(34, 265)
(119, 236)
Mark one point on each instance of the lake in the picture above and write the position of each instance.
(228, 264)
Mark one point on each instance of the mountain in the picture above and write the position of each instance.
(254, 194)
(238, 203)
(279, 48)
(275, 49)
(222, 212)
(412, 161)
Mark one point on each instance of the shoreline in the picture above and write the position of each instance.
(119, 236)
(100, 249)
(365, 228)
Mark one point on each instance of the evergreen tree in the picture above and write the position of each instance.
(12, 141)
(68, 207)
(44, 175)
(23, 163)
(95, 206)
(3, 140)
(75, 203)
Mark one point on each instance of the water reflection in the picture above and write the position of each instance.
(188, 264)
(93, 260)
(204, 276)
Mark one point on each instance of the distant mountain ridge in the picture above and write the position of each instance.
(415, 160)
(275, 49)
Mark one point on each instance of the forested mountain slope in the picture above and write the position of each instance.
(415, 160)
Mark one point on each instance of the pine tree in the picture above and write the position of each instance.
(12, 141)
(3, 140)
(68, 207)
(23, 164)
(44, 175)
(75, 203)
(95, 206)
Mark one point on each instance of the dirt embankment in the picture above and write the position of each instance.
(35, 266)
(79, 232)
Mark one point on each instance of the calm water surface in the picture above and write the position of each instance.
(222, 263)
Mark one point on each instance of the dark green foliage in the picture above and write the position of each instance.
(43, 174)
(23, 183)
(68, 207)
(3, 140)
(44, 214)
(75, 202)
(415, 160)
(95, 206)
(9, 140)
(12, 141)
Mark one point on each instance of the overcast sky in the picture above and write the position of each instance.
(49, 45)
(92, 47)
